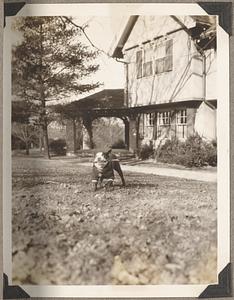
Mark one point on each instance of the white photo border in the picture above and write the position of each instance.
(223, 133)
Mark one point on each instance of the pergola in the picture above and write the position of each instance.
(110, 103)
(106, 103)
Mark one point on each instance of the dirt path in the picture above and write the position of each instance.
(200, 175)
(157, 230)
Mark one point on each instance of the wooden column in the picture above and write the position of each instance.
(71, 137)
(133, 133)
(79, 134)
(126, 131)
(87, 122)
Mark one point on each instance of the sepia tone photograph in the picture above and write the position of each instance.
(114, 150)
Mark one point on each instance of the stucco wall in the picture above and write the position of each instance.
(150, 27)
(184, 82)
(205, 122)
(211, 84)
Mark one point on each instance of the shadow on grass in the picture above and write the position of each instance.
(141, 185)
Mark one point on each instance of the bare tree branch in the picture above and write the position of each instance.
(82, 28)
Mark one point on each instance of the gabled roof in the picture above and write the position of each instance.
(206, 20)
(107, 98)
(122, 36)
(126, 28)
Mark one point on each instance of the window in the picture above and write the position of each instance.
(181, 117)
(147, 65)
(163, 124)
(154, 60)
(181, 124)
(147, 68)
(164, 57)
(164, 118)
(150, 119)
(160, 51)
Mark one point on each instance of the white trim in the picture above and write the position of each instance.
(223, 150)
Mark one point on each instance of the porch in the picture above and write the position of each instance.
(112, 103)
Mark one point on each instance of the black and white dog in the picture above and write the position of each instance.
(104, 165)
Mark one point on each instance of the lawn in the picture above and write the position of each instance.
(156, 230)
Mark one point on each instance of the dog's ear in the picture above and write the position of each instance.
(105, 154)
(107, 149)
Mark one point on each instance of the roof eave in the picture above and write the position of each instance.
(119, 41)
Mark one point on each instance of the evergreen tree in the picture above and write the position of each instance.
(49, 64)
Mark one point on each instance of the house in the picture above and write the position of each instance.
(170, 67)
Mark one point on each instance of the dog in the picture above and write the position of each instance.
(104, 165)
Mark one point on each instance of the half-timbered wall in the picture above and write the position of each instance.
(165, 67)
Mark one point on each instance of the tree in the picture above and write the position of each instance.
(49, 64)
(23, 124)
(25, 132)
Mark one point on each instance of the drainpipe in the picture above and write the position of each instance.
(204, 76)
(126, 85)
(200, 50)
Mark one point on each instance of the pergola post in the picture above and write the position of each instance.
(126, 131)
(87, 122)
(71, 137)
(133, 133)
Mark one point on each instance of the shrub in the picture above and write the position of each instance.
(194, 152)
(58, 147)
(145, 151)
(119, 144)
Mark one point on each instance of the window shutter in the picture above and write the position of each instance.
(139, 63)
(169, 56)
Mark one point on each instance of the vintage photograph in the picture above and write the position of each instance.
(114, 149)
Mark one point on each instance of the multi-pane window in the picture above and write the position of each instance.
(164, 118)
(181, 117)
(147, 64)
(181, 124)
(163, 124)
(154, 59)
(164, 57)
(150, 119)
(160, 51)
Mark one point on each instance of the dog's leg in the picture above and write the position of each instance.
(94, 185)
(117, 168)
(109, 185)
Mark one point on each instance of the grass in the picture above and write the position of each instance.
(157, 230)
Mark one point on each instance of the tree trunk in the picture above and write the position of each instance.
(43, 100)
(27, 148)
(40, 139)
(46, 141)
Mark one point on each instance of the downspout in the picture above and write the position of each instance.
(126, 102)
(204, 76)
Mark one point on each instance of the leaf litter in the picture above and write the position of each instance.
(157, 230)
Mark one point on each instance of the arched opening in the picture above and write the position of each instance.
(109, 131)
